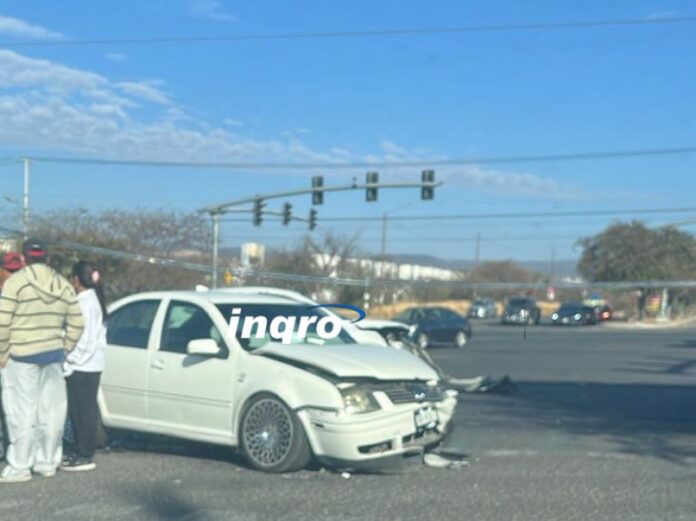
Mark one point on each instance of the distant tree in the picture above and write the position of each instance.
(329, 256)
(502, 271)
(158, 233)
(632, 251)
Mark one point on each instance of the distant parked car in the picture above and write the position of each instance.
(483, 308)
(574, 313)
(432, 326)
(521, 310)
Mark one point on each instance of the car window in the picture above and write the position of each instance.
(130, 325)
(448, 314)
(184, 322)
(417, 315)
(434, 314)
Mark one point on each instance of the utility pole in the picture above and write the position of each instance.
(25, 199)
(552, 265)
(477, 257)
(216, 247)
(383, 253)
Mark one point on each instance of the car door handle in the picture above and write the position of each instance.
(157, 365)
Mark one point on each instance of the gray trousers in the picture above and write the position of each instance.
(35, 403)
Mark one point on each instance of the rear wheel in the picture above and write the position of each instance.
(460, 339)
(272, 437)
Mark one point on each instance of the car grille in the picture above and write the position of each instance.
(412, 392)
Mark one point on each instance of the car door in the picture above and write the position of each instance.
(124, 379)
(190, 395)
(452, 324)
(435, 325)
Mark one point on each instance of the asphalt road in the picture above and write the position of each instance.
(602, 426)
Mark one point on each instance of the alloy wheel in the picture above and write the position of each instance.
(268, 432)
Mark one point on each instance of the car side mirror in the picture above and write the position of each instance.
(203, 347)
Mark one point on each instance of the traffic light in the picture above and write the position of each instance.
(427, 192)
(287, 214)
(258, 211)
(372, 178)
(317, 193)
(312, 219)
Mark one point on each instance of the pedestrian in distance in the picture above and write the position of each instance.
(10, 262)
(83, 367)
(40, 319)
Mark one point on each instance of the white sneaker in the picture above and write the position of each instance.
(9, 475)
(46, 473)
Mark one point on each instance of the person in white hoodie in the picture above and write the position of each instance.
(83, 367)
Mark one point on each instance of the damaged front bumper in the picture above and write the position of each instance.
(377, 440)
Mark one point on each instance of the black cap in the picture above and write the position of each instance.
(34, 250)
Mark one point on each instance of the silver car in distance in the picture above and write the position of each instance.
(174, 368)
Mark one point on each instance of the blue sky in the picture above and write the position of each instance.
(356, 99)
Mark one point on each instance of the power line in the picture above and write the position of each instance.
(539, 158)
(361, 33)
(416, 239)
(514, 215)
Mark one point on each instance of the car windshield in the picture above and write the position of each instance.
(266, 313)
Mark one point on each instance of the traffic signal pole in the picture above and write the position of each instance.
(427, 186)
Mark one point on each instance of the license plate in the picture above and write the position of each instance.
(426, 417)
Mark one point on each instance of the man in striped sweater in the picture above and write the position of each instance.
(40, 320)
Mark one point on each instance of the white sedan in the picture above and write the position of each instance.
(172, 368)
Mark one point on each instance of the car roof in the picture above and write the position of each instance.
(241, 295)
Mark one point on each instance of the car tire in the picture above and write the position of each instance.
(285, 448)
(422, 341)
(461, 339)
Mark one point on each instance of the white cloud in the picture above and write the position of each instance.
(147, 90)
(116, 57)
(16, 27)
(210, 10)
(48, 106)
(483, 179)
(230, 122)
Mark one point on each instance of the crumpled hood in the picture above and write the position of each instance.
(354, 360)
(49, 285)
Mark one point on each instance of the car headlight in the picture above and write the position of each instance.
(554, 316)
(358, 400)
(577, 316)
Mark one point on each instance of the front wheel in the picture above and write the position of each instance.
(460, 339)
(272, 437)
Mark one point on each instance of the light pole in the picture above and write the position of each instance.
(215, 217)
(383, 250)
